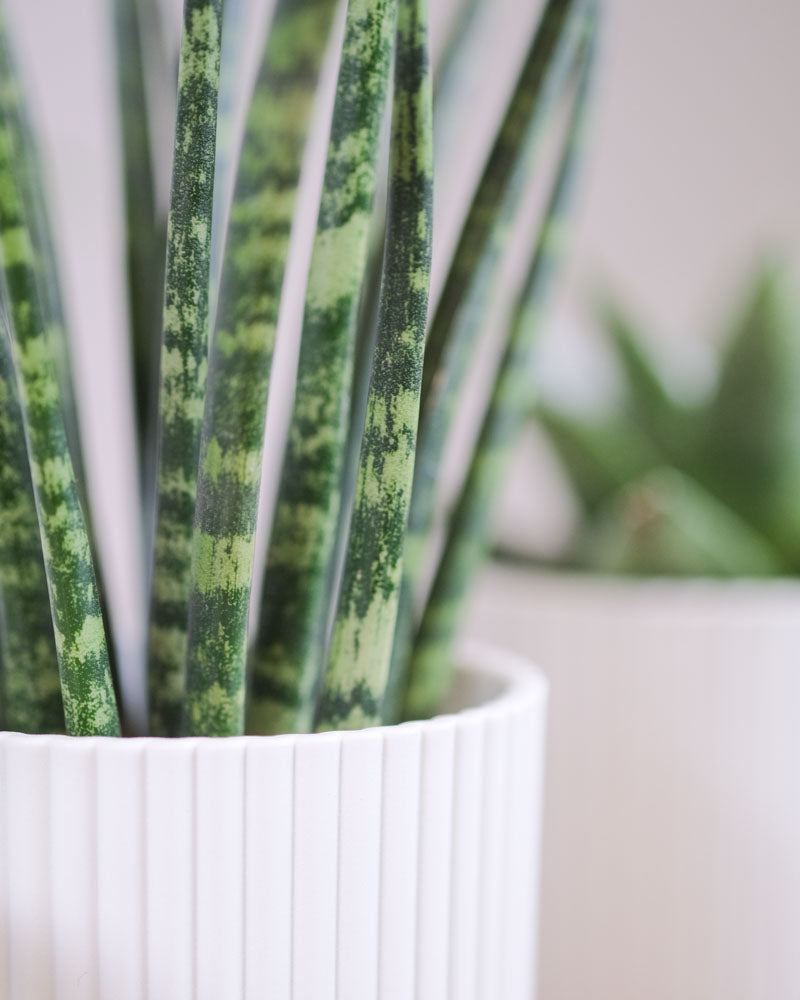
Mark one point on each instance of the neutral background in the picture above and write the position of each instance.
(693, 174)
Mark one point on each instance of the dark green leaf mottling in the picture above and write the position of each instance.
(241, 355)
(354, 684)
(430, 671)
(34, 196)
(288, 654)
(184, 358)
(87, 688)
(31, 689)
(461, 312)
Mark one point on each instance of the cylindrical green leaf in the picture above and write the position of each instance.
(87, 688)
(430, 670)
(287, 658)
(145, 225)
(31, 688)
(446, 85)
(31, 181)
(234, 45)
(241, 355)
(358, 666)
(184, 358)
(461, 312)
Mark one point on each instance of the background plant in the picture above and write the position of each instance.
(700, 488)
(337, 634)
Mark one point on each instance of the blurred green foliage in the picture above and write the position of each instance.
(710, 488)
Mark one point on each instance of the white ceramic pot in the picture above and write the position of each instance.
(671, 866)
(391, 863)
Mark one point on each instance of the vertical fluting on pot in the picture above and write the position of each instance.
(396, 863)
(673, 793)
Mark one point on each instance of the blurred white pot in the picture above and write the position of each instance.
(390, 863)
(671, 867)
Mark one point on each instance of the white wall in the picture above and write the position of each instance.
(695, 159)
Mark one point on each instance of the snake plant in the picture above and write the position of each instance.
(345, 633)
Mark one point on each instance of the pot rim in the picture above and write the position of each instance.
(517, 683)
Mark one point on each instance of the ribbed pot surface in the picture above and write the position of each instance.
(391, 863)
